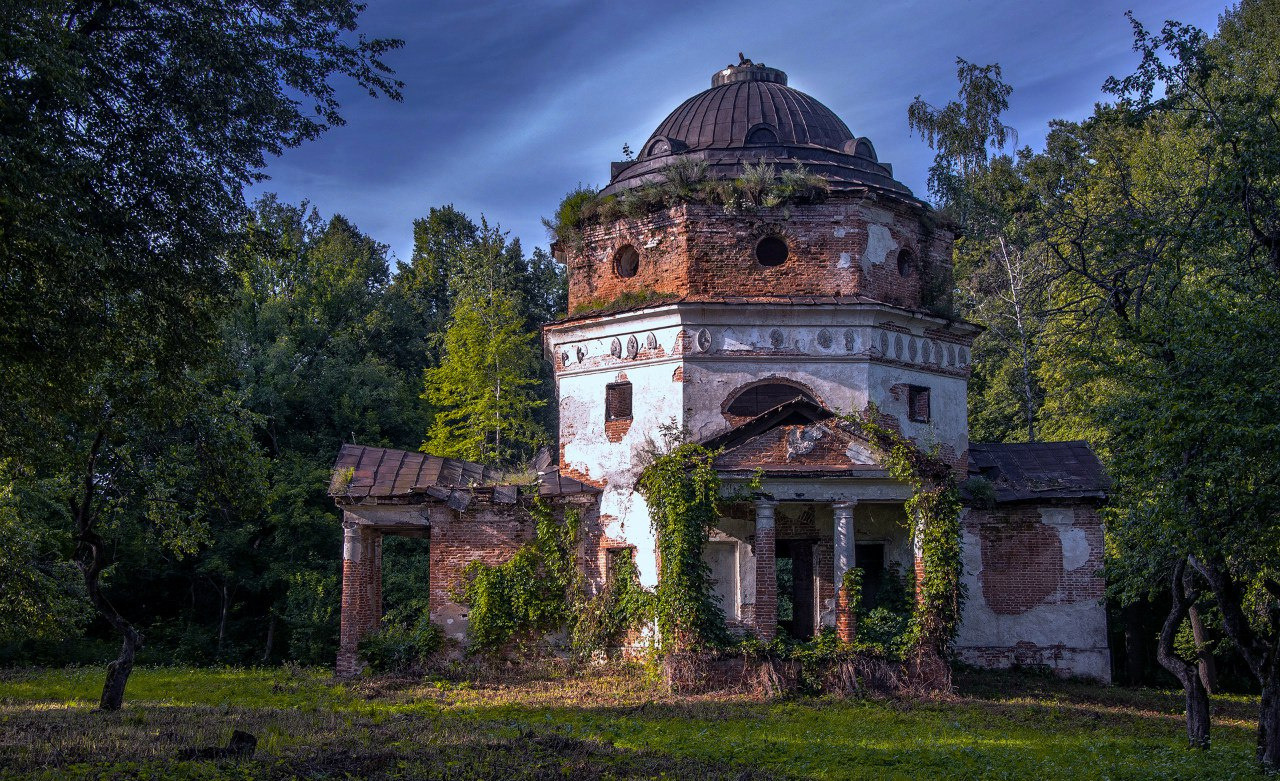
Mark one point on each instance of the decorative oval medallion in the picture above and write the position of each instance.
(884, 344)
(633, 346)
(926, 353)
(582, 353)
(911, 349)
(850, 341)
(897, 346)
(704, 340)
(951, 355)
(615, 348)
(651, 342)
(824, 339)
(775, 338)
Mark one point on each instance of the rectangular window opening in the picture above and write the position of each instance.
(917, 404)
(617, 401)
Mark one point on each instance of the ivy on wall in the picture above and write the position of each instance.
(935, 508)
(542, 589)
(682, 489)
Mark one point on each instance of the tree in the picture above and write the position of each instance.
(128, 132)
(1001, 271)
(485, 410)
(1163, 344)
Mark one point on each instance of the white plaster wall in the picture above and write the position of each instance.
(839, 352)
(1079, 626)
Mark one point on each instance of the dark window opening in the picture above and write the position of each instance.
(906, 263)
(615, 559)
(762, 135)
(626, 262)
(762, 398)
(772, 251)
(918, 404)
(617, 401)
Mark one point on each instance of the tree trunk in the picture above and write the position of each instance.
(1208, 670)
(1269, 727)
(118, 671)
(1135, 643)
(1197, 699)
(1259, 653)
(271, 638)
(91, 557)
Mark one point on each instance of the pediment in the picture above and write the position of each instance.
(796, 437)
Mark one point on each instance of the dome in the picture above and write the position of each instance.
(747, 104)
(750, 115)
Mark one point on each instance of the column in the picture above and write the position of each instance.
(766, 608)
(361, 592)
(845, 559)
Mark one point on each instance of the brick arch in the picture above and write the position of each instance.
(773, 379)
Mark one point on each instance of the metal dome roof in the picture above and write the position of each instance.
(746, 98)
(750, 115)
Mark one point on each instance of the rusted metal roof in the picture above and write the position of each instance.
(1039, 470)
(383, 473)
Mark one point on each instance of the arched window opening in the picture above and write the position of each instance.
(906, 263)
(762, 398)
(762, 135)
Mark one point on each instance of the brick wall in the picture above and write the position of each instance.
(1035, 588)
(488, 533)
(840, 247)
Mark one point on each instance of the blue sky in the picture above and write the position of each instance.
(509, 105)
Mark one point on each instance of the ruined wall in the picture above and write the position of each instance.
(845, 246)
(488, 533)
(1035, 589)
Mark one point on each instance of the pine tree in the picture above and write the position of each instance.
(484, 390)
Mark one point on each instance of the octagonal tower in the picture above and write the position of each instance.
(700, 298)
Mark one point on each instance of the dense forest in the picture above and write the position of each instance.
(180, 367)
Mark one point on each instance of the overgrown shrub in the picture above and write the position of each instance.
(404, 639)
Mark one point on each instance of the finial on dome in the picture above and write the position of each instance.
(746, 70)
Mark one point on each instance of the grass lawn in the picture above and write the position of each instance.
(601, 725)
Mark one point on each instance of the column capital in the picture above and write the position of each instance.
(845, 504)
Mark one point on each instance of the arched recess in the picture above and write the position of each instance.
(763, 395)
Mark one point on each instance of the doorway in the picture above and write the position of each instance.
(797, 588)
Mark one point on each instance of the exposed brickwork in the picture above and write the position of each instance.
(764, 617)
(846, 621)
(696, 250)
(361, 593)
(1022, 558)
(491, 534)
(615, 430)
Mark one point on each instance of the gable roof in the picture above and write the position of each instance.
(1039, 470)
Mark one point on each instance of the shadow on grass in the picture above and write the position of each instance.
(610, 726)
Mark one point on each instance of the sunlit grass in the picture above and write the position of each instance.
(607, 724)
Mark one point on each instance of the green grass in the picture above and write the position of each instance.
(604, 725)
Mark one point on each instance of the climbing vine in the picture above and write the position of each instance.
(935, 509)
(682, 489)
(542, 589)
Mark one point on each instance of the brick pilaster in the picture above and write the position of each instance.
(361, 592)
(765, 617)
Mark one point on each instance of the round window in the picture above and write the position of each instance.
(906, 263)
(626, 262)
(771, 251)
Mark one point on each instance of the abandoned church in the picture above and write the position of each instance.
(753, 330)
